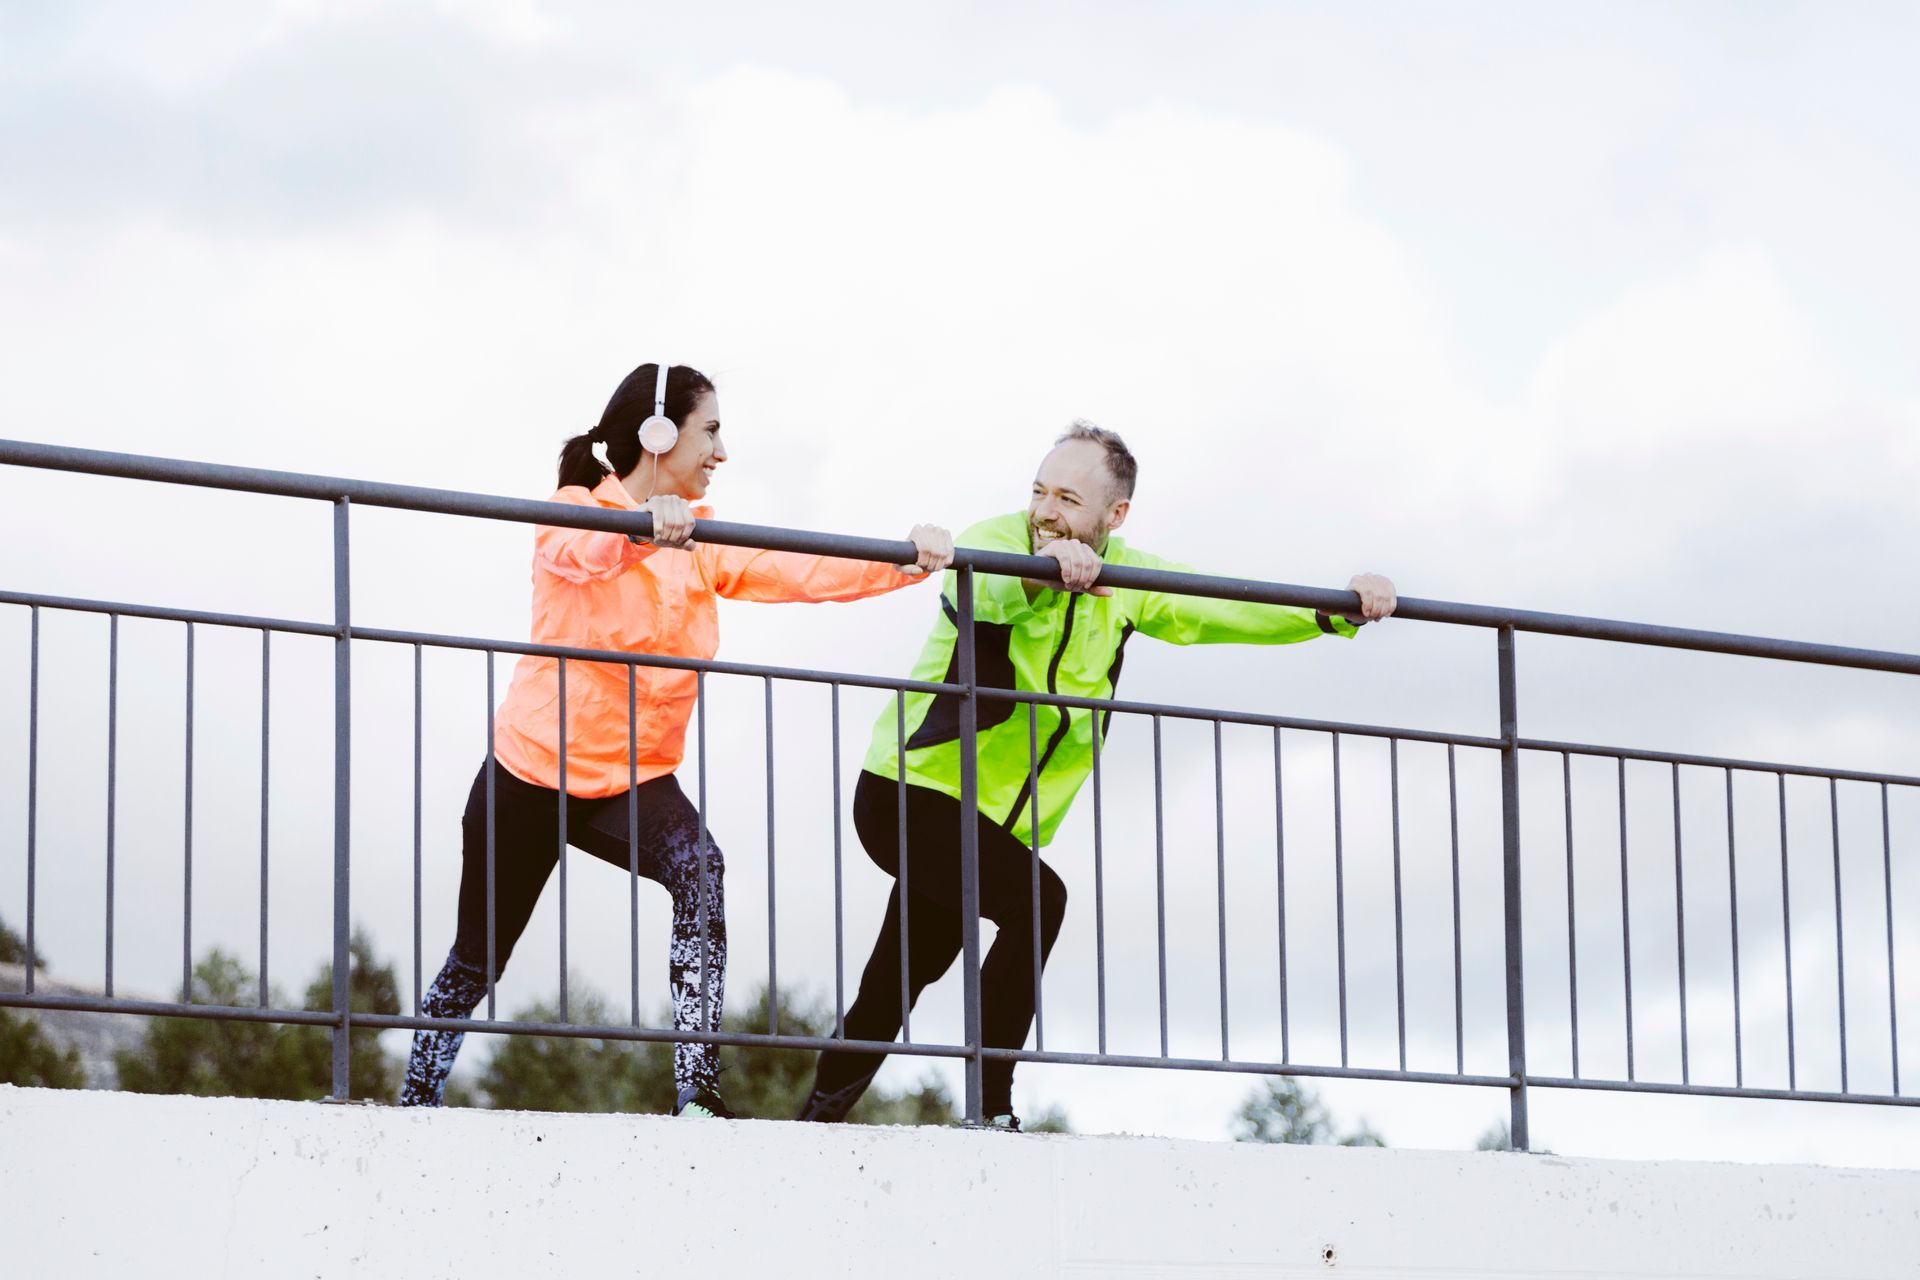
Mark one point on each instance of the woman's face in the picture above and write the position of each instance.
(687, 468)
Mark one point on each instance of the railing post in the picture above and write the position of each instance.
(969, 840)
(342, 797)
(1510, 876)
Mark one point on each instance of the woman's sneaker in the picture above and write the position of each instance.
(702, 1104)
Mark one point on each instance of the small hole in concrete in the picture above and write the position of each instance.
(1327, 1256)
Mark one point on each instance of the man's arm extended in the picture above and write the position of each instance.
(1181, 619)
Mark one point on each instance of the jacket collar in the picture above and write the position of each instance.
(611, 493)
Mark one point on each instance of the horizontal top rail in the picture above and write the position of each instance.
(530, 511)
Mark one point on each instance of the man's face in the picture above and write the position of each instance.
(1073, 497)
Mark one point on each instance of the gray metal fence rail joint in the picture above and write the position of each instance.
(1510, 879)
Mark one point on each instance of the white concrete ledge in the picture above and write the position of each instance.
(116, 1185)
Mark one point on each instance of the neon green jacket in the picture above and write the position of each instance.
(1060, 642)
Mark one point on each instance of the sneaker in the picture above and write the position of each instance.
(702, 1104)
(1004, 1123)
(830, 1108)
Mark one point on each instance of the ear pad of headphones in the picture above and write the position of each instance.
(658, 433)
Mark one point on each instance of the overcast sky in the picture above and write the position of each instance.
(1598, 308)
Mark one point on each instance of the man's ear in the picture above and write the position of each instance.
(1117, 515)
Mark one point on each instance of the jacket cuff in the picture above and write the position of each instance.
(1333, 625)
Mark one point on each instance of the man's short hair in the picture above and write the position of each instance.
(1120, 462)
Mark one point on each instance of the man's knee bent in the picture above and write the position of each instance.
(1053, 902)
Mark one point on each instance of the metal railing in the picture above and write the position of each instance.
(1509, 746)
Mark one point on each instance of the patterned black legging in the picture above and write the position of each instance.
(525, 843)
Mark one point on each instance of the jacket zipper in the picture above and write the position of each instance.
(1060, 731)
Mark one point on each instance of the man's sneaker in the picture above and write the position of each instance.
(701, 1104)
(1005, 1123)
(830, 1108)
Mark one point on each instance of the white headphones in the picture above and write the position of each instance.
(658, 432)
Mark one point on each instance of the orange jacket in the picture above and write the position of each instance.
(600, 591)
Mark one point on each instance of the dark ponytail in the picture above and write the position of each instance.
(619, 426)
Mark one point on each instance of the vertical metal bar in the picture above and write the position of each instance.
(1160, 879)
(1459, 1003)
(1220, 881)
(1399, 917)
(342, 798)
(773, 930)
(1626, 915)
(417, 717)
(1680, 925)
(1510, 867)
(487, 768)
(113, 780)
(839, 922)
(1573, 950)
(969, 835)
(1033, 867)
(1340, 899)
(1839, 926)
(1100, 891)
(633, 848)
(186, 849)
(33, 780)
(1733, 903)
(1786, 933)
(900, 853)
(709, 1018)
(1893, 1002)
(560, 837)
(1280, 881)
(266, 762)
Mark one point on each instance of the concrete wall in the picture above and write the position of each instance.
(106, 1184)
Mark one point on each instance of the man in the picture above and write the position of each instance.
(1030, 635)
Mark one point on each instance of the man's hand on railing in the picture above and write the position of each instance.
(1377, 596)
(935, 546)
(1080, 565)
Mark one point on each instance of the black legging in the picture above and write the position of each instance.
(526, 822)
(934, 922)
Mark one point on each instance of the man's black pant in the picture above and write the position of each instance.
(934, 923)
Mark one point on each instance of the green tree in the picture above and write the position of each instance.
(13, 948)
(1498, 1137)
(1281, 1109)
(244, 1059)
(1052, 1119)
(214, 1058)
(581, 1074)
(571, 1073)
(372, 987)
(28, 1057)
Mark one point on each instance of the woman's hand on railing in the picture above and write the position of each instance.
(935, 546)
(672, 520)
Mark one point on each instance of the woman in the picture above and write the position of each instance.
(608, 591)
